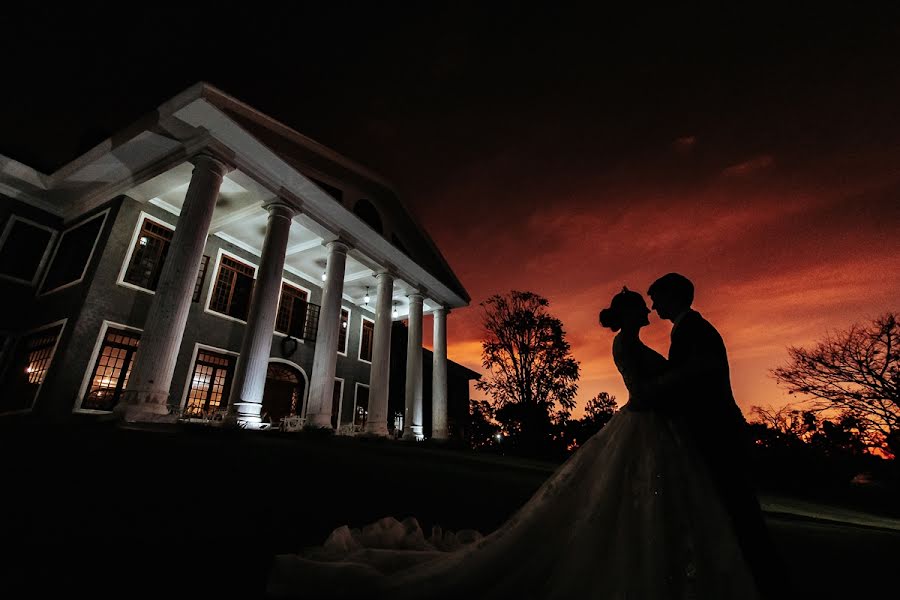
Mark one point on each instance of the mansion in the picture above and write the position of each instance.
(208, 263)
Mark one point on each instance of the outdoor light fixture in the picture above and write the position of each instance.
(366, 297)
(395, 311)
(143, 240)
(324, 276)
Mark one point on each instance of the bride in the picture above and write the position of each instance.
(632, 514)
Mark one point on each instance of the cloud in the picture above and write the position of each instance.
(775, 265)
(684, 145)
(748, 167)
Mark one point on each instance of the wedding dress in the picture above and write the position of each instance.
(632, 514)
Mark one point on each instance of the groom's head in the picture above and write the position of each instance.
(672, 294)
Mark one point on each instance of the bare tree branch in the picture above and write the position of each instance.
(856, 371)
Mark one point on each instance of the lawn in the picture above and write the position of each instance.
(94, 509)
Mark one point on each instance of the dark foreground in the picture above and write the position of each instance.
(92, 510)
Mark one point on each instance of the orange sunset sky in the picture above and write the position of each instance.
(558, 151)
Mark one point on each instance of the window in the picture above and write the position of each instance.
(201, 274)
(210, 383)
(29, 368)
(361, 407)
(337, 397)
(24, 246)
(233, 288)
(73, 254)
(292, 311)
(110, 374)
(342, 332)
(365, 339)
(148, 254)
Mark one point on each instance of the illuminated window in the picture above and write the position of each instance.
(148, 255)
(336, 397)
(24, 246)
(28, 369)
(361, 407)
(73, 253)
(292, 311)
(210, 383)
(110, 375)
(233, 288)
(365, 341)
(342, 332)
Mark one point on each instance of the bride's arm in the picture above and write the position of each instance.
(647, 388)
(668, 391)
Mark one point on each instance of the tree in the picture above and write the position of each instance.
(482, 427)
(597, 413)
(855, 373)
(532, 376)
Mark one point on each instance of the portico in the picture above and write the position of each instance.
(280, 241)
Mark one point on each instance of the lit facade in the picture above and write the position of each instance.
(209, 263)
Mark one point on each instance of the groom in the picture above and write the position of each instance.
(696, 390)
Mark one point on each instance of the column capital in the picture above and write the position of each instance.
(211, 162)
(384, 273)
(442, 310)
(338, 245)
(417, 297)
(281, 208)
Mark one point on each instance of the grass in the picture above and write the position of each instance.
(96, 509)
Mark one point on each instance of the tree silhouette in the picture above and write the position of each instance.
(597, 413)
(532, 376)
(855, 373)
(481, 425)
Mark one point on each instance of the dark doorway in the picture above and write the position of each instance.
(284, 393)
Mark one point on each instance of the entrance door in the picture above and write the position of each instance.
(283, 396)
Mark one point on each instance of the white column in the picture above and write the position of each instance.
(381, 358)
(321, 388)
(147, 394)
(245, 401)
(412, 420)
(439, 377)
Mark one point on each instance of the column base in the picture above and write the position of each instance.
(244, 415)
(376, 430)
(318, 421)
(144, 407)
(413, 434)
(440, 434)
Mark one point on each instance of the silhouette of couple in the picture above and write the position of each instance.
(656, 505)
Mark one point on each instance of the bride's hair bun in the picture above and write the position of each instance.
(623, 304)
(611, 319)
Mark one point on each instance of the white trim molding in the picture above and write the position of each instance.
(278, 306)
(214, 277)
(82, 390)
(303, 401)
(104, 214)
(362, 322)
(62, 328)
(44, 257)
(347, 336)
(120, 280)
(190, 372)
(355, 397)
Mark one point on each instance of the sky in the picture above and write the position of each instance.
(563, 152)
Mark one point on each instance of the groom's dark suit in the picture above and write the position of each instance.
(697, 393)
